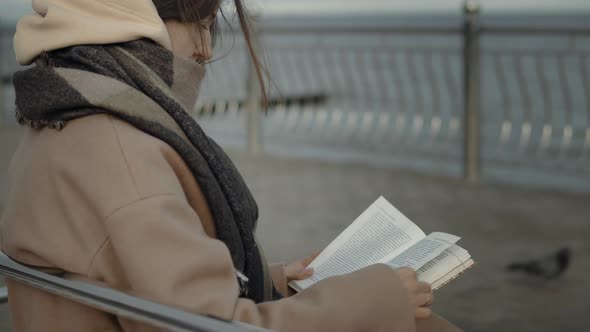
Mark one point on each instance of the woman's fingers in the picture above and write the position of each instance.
(309, 259)
(420, 293)
(424, 300)
(424, 287)
(292, 270)
(305, 274)
(298, 271)
(407, 274)
(419, 289)
(423, 313)
(423, 295)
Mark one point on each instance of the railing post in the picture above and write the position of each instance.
(2, 101)
(472, 98)
(253, 108)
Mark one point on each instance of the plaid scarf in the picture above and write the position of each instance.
(148, 86)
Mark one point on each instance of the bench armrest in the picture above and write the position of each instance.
(119, 303)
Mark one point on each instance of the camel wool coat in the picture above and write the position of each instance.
(102, 202)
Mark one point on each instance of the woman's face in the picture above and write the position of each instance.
(191, 40)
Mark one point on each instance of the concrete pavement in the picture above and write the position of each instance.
(305, 204)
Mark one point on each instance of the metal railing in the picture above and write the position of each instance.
(119, 303)
(508, 103)
(370, 92)
(491, 102)
(471, 94)
(544, 98)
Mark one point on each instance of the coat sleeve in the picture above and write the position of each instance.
(168, 258)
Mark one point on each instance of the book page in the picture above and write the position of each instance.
(424, 251)
(444, 263)
(377, 235)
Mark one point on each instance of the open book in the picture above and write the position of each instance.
(382, 234)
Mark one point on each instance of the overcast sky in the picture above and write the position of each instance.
(10, 10)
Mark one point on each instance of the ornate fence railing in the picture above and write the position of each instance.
(540, 116)
(497, 102)
(509, 103)
(346, 93)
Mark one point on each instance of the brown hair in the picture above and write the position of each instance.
(196, 10)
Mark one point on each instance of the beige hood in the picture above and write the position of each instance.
(62, 23)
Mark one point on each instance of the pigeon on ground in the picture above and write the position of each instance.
(548, 267)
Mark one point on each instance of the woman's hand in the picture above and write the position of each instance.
(298, 270)
(420, 292)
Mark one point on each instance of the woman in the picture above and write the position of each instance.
(115, 184)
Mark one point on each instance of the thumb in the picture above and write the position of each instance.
(293, 269)
(308, 260)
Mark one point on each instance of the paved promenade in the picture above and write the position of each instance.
(305, 204)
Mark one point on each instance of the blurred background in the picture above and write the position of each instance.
(470, 117)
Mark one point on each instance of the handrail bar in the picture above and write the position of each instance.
(535, 30)
(512, 29)
(119, 303)
(362, 30)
